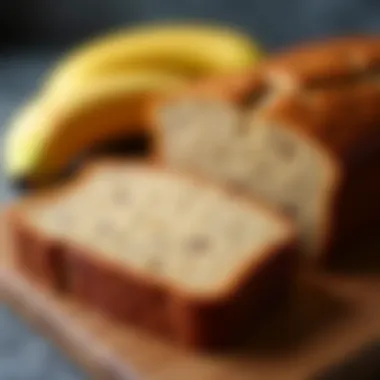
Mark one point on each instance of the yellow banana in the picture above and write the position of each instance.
(51, 131)
(188, 49)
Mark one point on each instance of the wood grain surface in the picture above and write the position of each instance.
(329, 316)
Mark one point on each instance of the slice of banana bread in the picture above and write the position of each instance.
(162, 250)
(312, 152)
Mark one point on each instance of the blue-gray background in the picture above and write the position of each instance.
(34, 33)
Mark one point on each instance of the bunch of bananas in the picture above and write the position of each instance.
(100, 91)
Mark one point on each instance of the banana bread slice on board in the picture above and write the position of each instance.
(164, 251)
(313, 152)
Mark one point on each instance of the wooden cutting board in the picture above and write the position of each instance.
(330, 316)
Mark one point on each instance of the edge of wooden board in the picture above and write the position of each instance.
(34, 306)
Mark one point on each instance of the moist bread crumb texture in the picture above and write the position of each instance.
(162, 224)
(263, 158)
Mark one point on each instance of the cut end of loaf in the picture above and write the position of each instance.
(262, 158)
(195, 237)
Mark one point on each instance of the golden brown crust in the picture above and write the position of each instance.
(120, 292)
(325, 63)
(336, 102)
(238, 88)
(37, 255)
(355, 206)
(318, 65)
(335, 67)
(345, 122)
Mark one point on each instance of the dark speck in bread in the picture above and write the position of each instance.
(238, 185)
(120, 195)
(104, 227)
(285, 149)
(290, 210)
(64, 219)
(198, 244)
(154, 263)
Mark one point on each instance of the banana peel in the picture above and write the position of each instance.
(192, 50)
(51, 131)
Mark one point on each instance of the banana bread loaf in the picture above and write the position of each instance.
(312, 151)
(169, 253)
